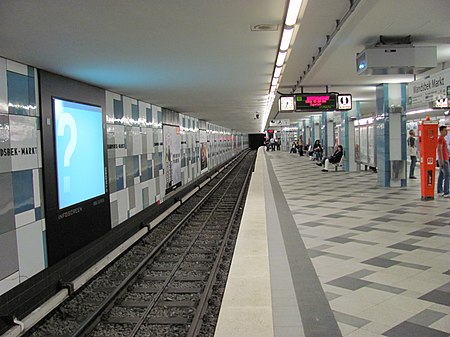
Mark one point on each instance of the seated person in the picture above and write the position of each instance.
(293, 148)
(334, 159)
(317, 150)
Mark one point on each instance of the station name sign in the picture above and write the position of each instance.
(313, 102)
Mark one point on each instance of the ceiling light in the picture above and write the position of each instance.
(275, 81)
(281, 57)
(277, 72)
(286, 39)
(293, 11)
(418, 111)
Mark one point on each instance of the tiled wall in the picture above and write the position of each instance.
(135, 150)
(135, 164)
(190, 148)
(22, 223)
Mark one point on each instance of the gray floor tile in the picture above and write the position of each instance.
(389, 289)
(339, 239)
(426, 317)
(348, 283)
(404, 246)
(382, 219)
(414, 266)
(408, 329)
(380, 262)
(421, 233)
(361, 273)
(357, 322)
(438, 222)
(437, 296)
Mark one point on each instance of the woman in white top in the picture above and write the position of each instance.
(412, 151)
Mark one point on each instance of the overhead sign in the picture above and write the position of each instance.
(315, 102)
(344, 102)
(441, 103)
(287, 103)
(423, 93)
(280, 122)
(311, 102)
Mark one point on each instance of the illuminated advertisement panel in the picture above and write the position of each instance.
(315, 102)
(79, 151)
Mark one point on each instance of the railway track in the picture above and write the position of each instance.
(169, 284)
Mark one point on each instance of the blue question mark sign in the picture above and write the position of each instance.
(64, 120)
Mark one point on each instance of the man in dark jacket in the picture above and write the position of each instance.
(334, 159)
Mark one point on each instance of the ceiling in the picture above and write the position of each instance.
(201, 58)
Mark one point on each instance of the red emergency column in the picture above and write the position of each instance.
(428, 136)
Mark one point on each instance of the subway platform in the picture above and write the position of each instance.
(332, 254)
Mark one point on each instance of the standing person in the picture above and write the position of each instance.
(444, 173)
(300, 146)
(412, 151)
(272, 143)
(278, 142)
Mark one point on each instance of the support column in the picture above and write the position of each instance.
(390, 134)
(347, 137)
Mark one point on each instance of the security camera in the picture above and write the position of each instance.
(256, 115)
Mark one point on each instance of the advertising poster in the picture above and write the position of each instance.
(203, 151)
(172, 156)
(80, 162)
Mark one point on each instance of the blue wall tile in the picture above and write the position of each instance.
(7, 222)
(23, 191)
(136, 166)
(119, 178)
(118, 109)
(18, 99)
(148, 114)
(135, 112)
(38, 213)
(31, 97)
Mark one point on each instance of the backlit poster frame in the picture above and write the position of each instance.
(80, 161)
(172, 156)
(71, 225)
(203, 151)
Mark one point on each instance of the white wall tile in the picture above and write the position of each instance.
(36, 189)
(3, 87)
(23, 136)
(137, 140)
(9, 282)
(17, 67)
(123, 204)
(25, 218)
(110, 96)
(31, 250)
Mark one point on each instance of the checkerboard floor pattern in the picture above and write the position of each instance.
(381, 254)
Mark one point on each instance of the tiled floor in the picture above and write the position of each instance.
(381, 255)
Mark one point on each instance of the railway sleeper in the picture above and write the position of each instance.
(168, 290)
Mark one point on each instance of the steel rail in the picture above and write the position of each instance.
(197, 321)
(94, 318)
(156, 298)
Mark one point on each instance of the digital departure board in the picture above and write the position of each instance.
(315, 102)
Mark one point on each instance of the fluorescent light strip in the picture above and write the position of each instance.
(286, 38)
(293, 11)
(291, 20)
(281, 57)
(418, 111)
(277, 72)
